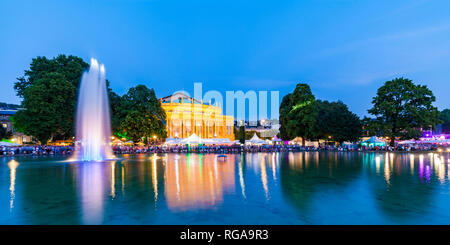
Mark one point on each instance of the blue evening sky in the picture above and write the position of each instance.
(343, 49)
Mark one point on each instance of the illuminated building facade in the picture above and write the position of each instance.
(186, 116)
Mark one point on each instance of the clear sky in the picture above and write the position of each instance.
(343, 49)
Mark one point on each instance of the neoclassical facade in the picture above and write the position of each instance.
(186, 116)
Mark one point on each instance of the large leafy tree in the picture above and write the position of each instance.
(445, 118)
(141, 126)
(298, 114)
(241, 134)
(115, 104)
(141, 115)
(49, 91)
(402, 109)
(335, 121)
(4, 133)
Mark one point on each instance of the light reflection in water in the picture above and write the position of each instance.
(155, 178)
(264, 176)
(197, 185)
(274, 167)
(377, 164)
(91, 180)
(241, 174)
(200, 183)
(12, 165)
(421, 166)
(387, 173)
(113, 180)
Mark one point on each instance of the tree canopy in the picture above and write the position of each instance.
(49, 92)
(298, 114)
(445, 118)
(139, 115)
(402, 109)
(336, 122)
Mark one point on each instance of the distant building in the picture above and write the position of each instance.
(186, 116)
(5, 121)
(267, 128)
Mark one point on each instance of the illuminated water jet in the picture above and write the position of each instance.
(93, 126)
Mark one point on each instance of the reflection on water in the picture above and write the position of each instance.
(199, 182)
(259, 188)
(92, 185)
(12, 168)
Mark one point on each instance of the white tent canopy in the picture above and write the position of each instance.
(407, 142)
(193, 139)
(217, 141)
(437, 141)
(374, 140)
(276, 139)
(172, 141)
(3, 143)
(255, 140)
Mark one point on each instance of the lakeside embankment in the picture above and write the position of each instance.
(119, 150)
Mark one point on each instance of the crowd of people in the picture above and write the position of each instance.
(67, 150)
(35, 150)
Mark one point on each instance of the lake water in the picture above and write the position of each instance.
(259, 188)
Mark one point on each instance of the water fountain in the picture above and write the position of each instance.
(93, 126)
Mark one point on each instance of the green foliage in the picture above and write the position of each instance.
(4, 133)
(249, 134)
(298, 114)
(402, 109)
(241, 135)
(139, 114)
(445, 118)
(336, 122)
(141, 126)
(115, 103)
(49, 92)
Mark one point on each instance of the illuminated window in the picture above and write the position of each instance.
(5, 125)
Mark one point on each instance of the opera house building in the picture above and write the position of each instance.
(186, 116)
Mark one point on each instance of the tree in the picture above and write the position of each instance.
(445, 118)
(49, 92)
(49, 109)
(115, 104)
(249, 134)
(141, 115)
(402, 109)
(336, 122)
(4, 133)
(242, 134)
(298, 114)
(140, 126)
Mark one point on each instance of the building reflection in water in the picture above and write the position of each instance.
(12, 165)
(113, 180)
(241, 175)
(196, 181)
(264, 176)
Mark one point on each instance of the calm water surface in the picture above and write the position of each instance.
(260, 188)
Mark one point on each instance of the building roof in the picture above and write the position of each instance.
(177, 96)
